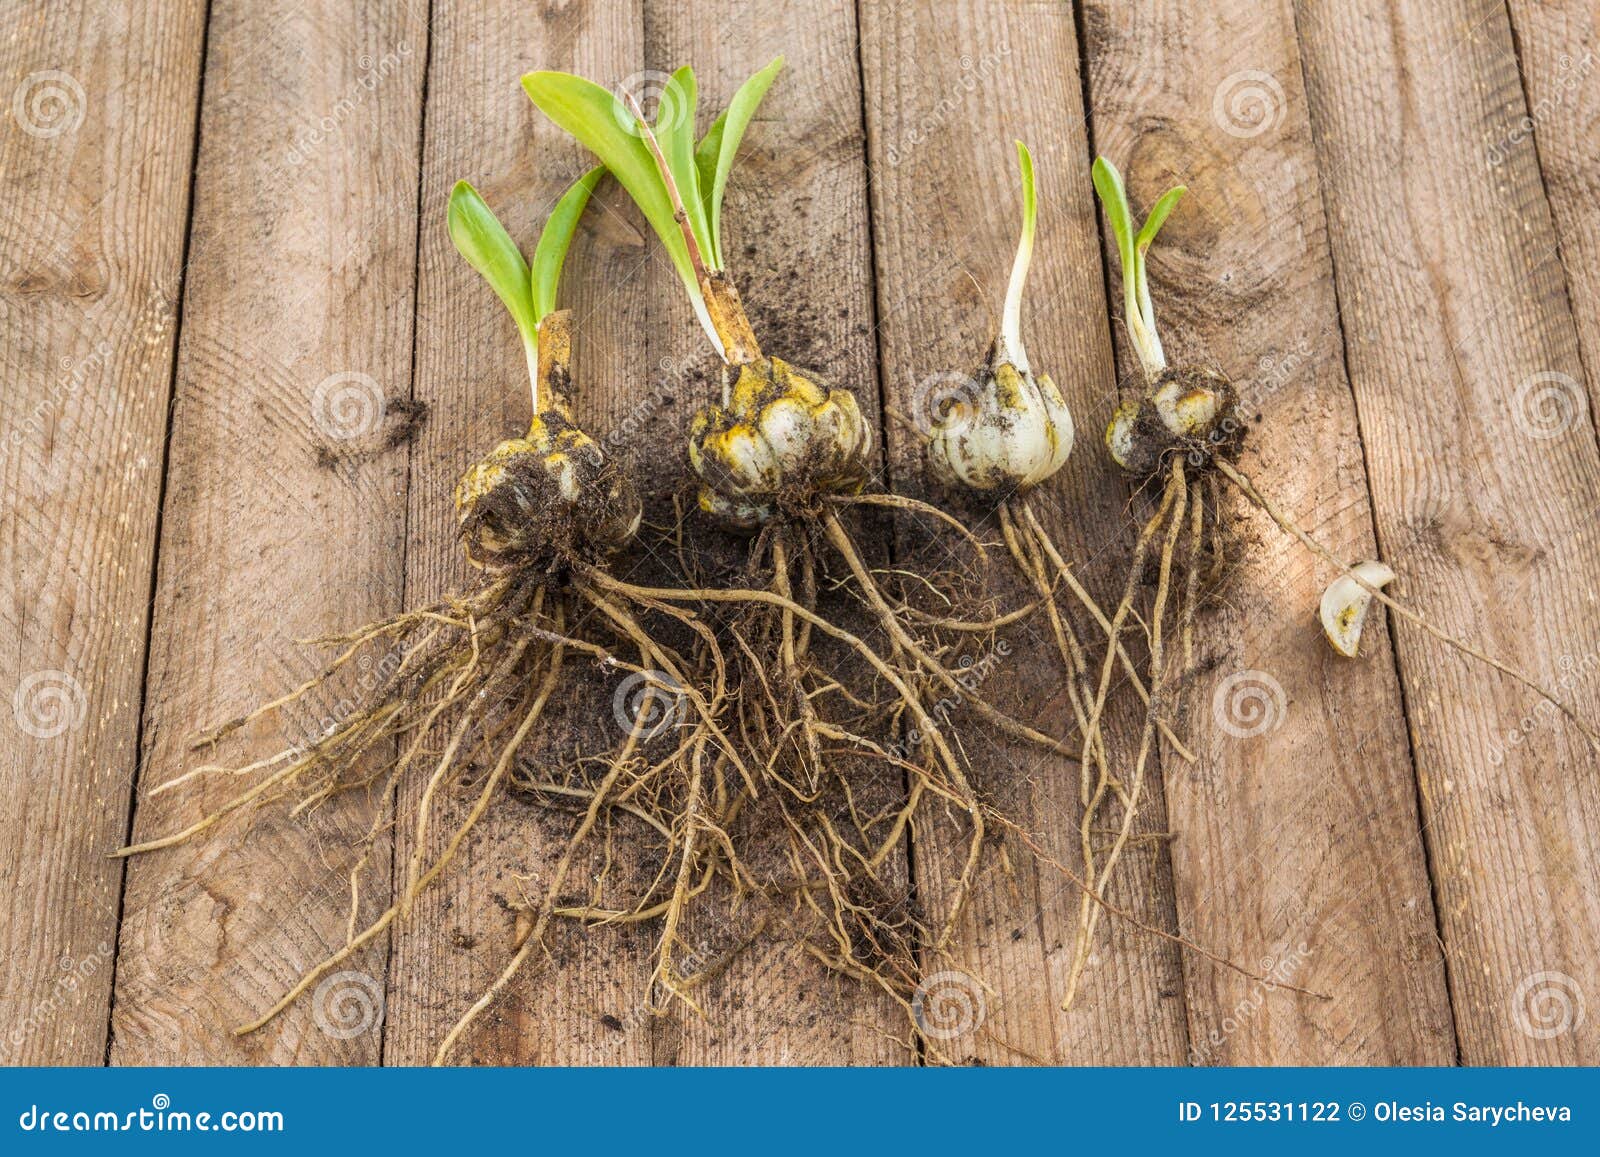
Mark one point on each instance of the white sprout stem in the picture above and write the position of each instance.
(1011, 319)
(1142, 319)
(1154, 358)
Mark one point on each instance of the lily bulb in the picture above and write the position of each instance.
(548, 495)
(1011, 430)
(1015, 431)
(781, 436)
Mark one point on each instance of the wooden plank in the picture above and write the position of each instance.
(94, 172)
(1297, 831)
(586, 1003)
(284, 518)
(1558, 50)
(945, 207)
(798, 245)
(1485, 476)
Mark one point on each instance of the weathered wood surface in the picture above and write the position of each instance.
(284, 519)
(95, 155)
(1388, 241)
(1485, 479)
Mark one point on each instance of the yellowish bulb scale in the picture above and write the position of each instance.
(1345, 604)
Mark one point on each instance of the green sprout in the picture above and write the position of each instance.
(529, 293)
(1131, 250)
(677, 184)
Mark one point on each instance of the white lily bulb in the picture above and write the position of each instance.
(1345, 603)
(1014, 433)
(782, 435)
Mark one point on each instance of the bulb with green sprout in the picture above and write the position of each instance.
(1187, 409)
(552, 493)
(1016, 431)
(780, 434)
(1180, 435)
(467, 679)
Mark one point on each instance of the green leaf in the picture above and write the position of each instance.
(1158, 217)
(551, 252)
(1108, 184)
(1011, 325)
(1141, 245)
(706, 156)
(488, 248)
(727, 133)
(674, 129)
(605, 126)
(1135, 298)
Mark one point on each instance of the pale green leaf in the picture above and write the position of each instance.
(674, 130)
(605, 126)
(488, 248)
(728, 133)
(1011, 325)
(551, 252)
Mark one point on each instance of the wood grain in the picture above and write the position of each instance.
(284, 519)
(94, 174)
(1486, 480)
(586, 1003)
(946, 203)
(1297, 831)
(1558, 53)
